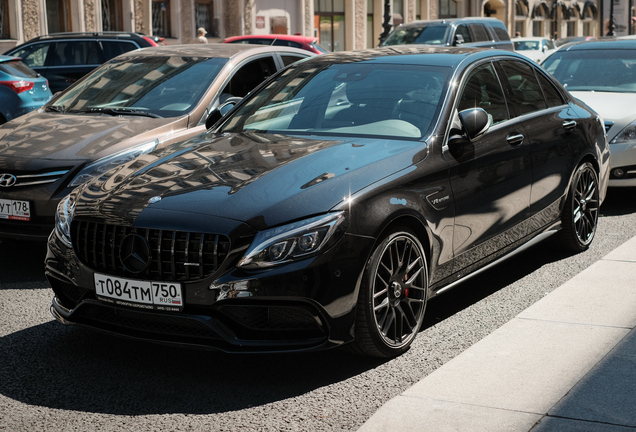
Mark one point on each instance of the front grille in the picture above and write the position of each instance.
(34, 179)
(174, 255)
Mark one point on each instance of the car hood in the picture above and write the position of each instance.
(42, 136)
(615, 107)
(263, 180)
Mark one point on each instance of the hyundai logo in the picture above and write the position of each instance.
(7, 180)
(134, 253)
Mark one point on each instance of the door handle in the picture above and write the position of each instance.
(515, 140)
(569, 124)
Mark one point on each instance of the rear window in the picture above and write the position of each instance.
(18, 69)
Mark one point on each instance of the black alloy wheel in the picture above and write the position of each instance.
(580, 214)
(392, 297)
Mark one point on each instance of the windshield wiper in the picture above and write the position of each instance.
(56, 108)
(118, 111)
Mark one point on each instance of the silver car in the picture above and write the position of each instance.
(603, 75)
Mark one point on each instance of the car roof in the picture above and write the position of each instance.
(297, 38)
(529, 38)
(91, 35)
(212, 50)
(449, 21)
(415, 54)
(8, 58)
(600, 44)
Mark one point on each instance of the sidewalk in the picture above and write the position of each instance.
(567, 363)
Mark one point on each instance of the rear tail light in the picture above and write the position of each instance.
(151, 41)
(18, 86)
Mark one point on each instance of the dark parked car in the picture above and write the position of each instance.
(63, 58)
(332, 203)
(302, 42)
(22, 90)
(466, 32)
(137, 102)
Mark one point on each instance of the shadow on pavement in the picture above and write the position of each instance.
(76, 369)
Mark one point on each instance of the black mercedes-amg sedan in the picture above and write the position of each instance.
(329, 205)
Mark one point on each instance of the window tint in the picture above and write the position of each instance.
(482, 90)
(113, 48)
(462, 35)
(292, 44)
(552, 95)
(249, 76)
(526, 92)
(480, 34)
(289, 59)
(17, 69)
(76, 53)
(33, 55)
(500, 31)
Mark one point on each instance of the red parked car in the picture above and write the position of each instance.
(296, 41)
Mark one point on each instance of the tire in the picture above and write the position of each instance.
(392, 297)
(580, 214)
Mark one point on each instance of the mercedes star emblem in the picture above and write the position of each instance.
(134, 253)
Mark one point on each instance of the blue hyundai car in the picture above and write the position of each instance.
(21, 89)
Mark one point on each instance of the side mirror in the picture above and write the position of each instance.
(219, 112)
(459, 39)
(475, 122)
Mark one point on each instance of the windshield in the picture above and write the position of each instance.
(160, 86)
(366, 99)
(431, 35)
(606, 70)
(527, 45)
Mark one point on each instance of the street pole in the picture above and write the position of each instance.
(611, 19)
(386, 24)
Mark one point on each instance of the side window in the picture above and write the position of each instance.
(526, 92)
(70, 53)
(480, 34)
(289, 59)
(482, 90)
(113, 48)
(249, 76)
(552, 95)
(462, 35)
(501, 32)
(33, 55)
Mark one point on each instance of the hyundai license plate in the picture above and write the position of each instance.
(165, 296)
(15, 210)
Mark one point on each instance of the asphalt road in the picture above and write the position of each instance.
(71, 379)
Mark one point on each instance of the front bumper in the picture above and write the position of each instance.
(306, 305)
(623, 165)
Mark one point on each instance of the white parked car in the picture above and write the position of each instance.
(535, 48)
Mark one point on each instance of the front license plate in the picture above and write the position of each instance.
(142, 294)
(15, 210)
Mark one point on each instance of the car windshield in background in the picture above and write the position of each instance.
(430, 35)
(158, 87)
(17, 69)
(363, 99)
(611, 70)
(526, 45)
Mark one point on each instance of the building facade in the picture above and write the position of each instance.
(339, 24)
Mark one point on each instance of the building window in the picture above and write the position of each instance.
(329, 15)
(58, 16)
(4, 19)
(398, 12)
(204, 16)
(112, 15)
(371, 42)
(447, 9)
(161, 18)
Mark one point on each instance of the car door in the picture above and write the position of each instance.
(491, 177)
(550, 125)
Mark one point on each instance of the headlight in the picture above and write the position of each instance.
(297, 240)
(63, 218)
(626, 135)
(104, 164)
